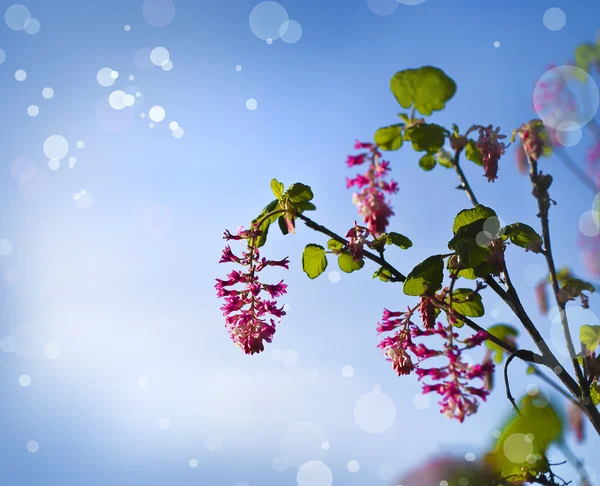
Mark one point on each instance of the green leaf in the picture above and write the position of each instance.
(585, 54)
(590, 337)
(444, 158)
(314, 261)
(505, 333)
(306, 206)
(523, 235)
(277, 188)
(427, 137)
(389, 138)
(298, 193)
(397, 239)
(426, 277)
(573, 288)
(595, 394)
(283, 225)
(468, 308)
(473, 154)
(427, 88)
(530, 369)
(427, 162)
(334, 245)
(264, 227)
(347, 263)
(469, 216)
(526, 435)
(383, 274)
(472, 255)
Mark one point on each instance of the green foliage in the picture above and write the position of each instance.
(314, 261)
(383, 274)
(524, 236)
(426, 88)
(264, 227)
(467, 217)
(348, 264)
(444, 158)
(389, 138)
(585, 54)
(595, 394)
(283, 225)
(426, 277)
(426, 137)
(277, 188)
(468, 308)
(590, 337)
(519, 453)
(334, 246)
(573, 288)
(298, 193)
(503, 332)
(473, 256)
(473, 154)
(393, 238)
(427, 162)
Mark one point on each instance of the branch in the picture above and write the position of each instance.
(465, 186)
(506, 383)
(576, 463)
(371, 256)
(540, 191)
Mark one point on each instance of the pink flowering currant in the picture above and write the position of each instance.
(246, 313)
(459, 396)
(491, 150)
(370, 200)
(357, 239)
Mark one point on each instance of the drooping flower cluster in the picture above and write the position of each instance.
(534, 139)
(491, 150)
(370, 201)
(459, 398)
(552, 100)
(246, 313)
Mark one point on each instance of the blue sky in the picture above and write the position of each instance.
(120, 281)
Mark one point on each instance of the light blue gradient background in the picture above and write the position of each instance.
(124, 302)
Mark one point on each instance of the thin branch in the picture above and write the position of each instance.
(507, 384)
(371, 256)
(465, 186)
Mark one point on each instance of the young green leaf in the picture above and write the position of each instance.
(264, 227)
(393, 238)
(472, 215)
(427, 162)
(473, 154)
(347, 263)
(383, 274)
(595, 394)
(523, 235)
(282, 225)
(298, 194)
(573, 288)
(314, 261)
(389, 138)
(468, 308)
(505, 333)
(444, 158)
(426, 277)
(334, 245)
(427, 88)
(277, 188)
(590, 337)
(427, 137)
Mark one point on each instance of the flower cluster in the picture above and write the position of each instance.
(245, 312)
(370, 201)
(552, 99)
(491, 150)
(357, 239)
(534, 138)
(459, 398)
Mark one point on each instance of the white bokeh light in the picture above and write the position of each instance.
(157, 114)
(158, 13)
(24, 380)
(20, 75)
(33, 446)
(314, 473)
(16, 16)
(32, 26)
(348, 371)
(56, 147)
(54, 164)
(353, 466)
(554, 19)
(266, 19)
(105, 78)
(118, 100)
(48, 93)
(374, 412)
(251, 104)
(6, 247)
(383, 8)
(193, 463)
(334, 276)
(158, 55)
(290, 31)
(33, 110)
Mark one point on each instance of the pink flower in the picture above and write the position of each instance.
(357, 238)
(491, 150)
(246, 313)
(370, 201)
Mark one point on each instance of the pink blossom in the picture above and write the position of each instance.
(491, 150)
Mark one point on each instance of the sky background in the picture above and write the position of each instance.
(115, 364)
